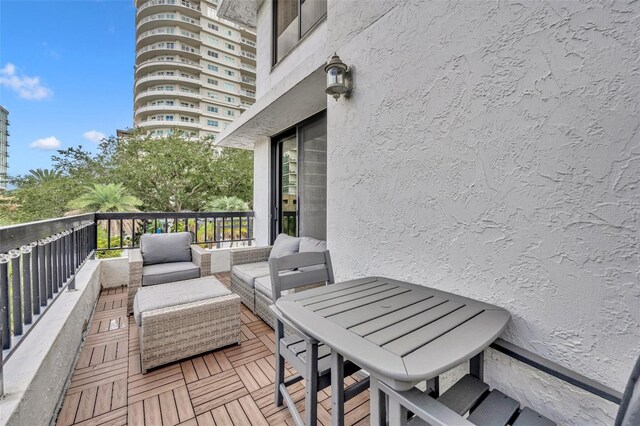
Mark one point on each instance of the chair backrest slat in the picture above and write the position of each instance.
(297, 271)
(629, 412)
(300, 260)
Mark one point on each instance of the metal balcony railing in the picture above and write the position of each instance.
(39, 260)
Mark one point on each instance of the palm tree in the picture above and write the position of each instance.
(43, 176)
(227, 204)
(107, 198)
(111, 197)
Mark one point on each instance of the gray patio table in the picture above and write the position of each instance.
(401, 333)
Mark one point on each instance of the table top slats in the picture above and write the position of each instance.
(413, 323)
(362, 301)
(401, 332)
(367, 313)
(395, 317)
(358, 293)
(332, 291)
(410, 342)
(459, 344)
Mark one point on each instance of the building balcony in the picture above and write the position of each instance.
(162, 19)
(155, 65)
(251, 69)
(150, 109)
(165, 124)
(248, 56)
(248, 81)
(165, 34)
(153, 80)
(247, 42)
(247, 94)
(167, 6)
(150, 95)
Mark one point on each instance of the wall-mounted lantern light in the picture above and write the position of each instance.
(339, 78)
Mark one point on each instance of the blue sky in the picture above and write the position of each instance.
(66, 75)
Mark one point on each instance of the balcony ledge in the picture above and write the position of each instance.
(35, 375)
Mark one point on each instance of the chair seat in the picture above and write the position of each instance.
(264, 285)
(248, 272)
(169, 272)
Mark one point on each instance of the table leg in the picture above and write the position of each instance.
(337, 389)
(397, 413)
(476, 366)
(377, 403)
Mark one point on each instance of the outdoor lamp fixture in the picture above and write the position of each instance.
(339, 79)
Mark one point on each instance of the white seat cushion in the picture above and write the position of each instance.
(263, 284)
(169, 272)
(177, 293)
(248, 272)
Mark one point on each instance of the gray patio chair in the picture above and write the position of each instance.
(471, 402)
(165, 258)
(311, 359)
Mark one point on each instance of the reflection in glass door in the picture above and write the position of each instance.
(300, 180)
(288, 199)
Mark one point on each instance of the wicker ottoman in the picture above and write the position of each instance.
(185, 318)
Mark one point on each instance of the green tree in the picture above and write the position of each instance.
(227, 204)
(111, 197)
(42, 176)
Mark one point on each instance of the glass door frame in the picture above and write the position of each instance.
(276, 181)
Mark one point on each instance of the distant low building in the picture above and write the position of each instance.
(4, 147)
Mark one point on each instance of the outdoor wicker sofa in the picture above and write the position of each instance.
(164, 258)
(250, 276)
(185, 318)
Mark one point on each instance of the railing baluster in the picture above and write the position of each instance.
(35, 278)
(16, 296)
(54, 264)
(26, 284)
(48, 255)
(4, 301)
(63, 258)
(121, 234)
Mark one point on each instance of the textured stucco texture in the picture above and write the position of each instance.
(492, 149)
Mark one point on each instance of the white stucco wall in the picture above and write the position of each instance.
(261, 191)
(492, 149)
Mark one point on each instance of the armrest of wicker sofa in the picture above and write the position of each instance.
(240, 256)
(135, 276)
(202, 258)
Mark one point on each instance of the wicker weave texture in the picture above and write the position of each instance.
(262, 309)
(178, 332)
(135, 277)
(243, 290)
(249, 255)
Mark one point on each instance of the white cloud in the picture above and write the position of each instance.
(46, 143)
(26, 87)
(93, 136)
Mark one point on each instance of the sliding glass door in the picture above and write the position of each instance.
(300, 180)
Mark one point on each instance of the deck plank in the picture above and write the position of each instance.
(228, 387)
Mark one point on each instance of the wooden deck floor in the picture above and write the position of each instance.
(232, 386)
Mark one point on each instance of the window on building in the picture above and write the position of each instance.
(230, 73)
(229, 86)
(212, 41)
(230, 33)
(289, 28)
(212, 68)
(212, 123)
(229, 99)
(169, 118)
(213, 26)
(212, 108)
(171, 45)
(212, 95)
(231, 113)
(212, 53)
(212, 81)
(230, 46)
(229, 59)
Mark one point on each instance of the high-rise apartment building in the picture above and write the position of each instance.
(193, 70)
(4, 147)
